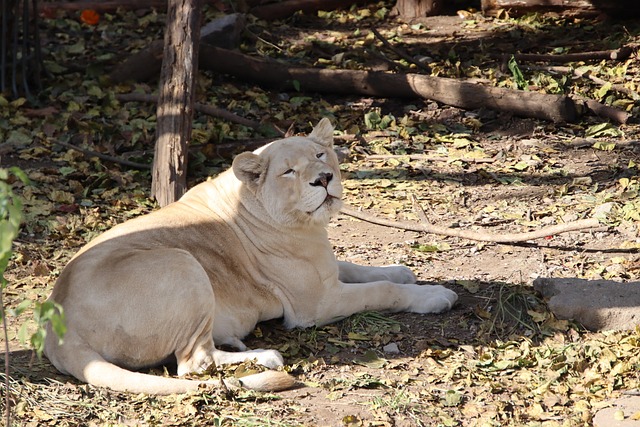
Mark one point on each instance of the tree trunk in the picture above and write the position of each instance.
(408, 9)
(175, 105)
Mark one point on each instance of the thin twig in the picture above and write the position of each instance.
(481, 236)
(615, 55)
(7, 395)
(588, 74)
(422, 215)
(206, 109)
(400, 53)
(106, 157)
(430, 158)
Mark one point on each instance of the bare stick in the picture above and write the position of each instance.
(206, 109)
(481, 236)
(106, 157)
(430, 158)
(588, 74)
(616, 55)
(399, 52)
(6, 363)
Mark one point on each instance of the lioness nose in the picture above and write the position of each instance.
(323, 179)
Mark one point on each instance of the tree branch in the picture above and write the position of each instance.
(481, 236)
(615, 55)
(220, 113)
(106, 157)
(400, 53)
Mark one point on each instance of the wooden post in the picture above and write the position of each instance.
(175, 106)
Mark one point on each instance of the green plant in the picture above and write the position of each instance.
(49, 311)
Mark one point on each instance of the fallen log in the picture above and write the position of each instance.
(622, 8)
(144, 65)
(107, 6)
(452, 92)
(286, 8)
(605, 111)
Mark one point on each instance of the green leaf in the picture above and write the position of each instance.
(604, 146)
(23, 334)
(372, 120)
(20, 308)
(19, 138)
(371, 360)
(602, 130)
(604, 89)
(521, 82)
(452, 398)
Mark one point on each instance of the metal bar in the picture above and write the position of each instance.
(3, 46)
(25, 48)
(14, 56)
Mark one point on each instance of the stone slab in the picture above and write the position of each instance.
(621, 413)
(596, 304)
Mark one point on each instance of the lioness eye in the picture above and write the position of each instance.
(288, 172)
(319, 155)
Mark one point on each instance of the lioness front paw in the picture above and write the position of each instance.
(397, 273)
(433, 299)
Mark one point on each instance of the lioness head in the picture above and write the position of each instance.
(296, 179)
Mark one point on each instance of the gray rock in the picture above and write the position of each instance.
(619, 413)
(224, 32)
(391, 348)
(596, 304)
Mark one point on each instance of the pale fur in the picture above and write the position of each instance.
(248, 246)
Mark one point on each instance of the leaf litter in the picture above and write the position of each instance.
(499, 358)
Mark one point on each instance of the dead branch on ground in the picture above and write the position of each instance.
(602, 110)
(220, 113)
(286, 8)
(92, 153)
(481, 236)
(430, 158)
(616, 55)
(400, 52)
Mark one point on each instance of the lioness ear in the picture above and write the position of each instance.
(323, 133)
(248, 168)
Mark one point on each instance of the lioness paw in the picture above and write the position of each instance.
(397, 273)
(433, 299)
(269, 358)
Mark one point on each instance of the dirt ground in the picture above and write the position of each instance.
(498, 358)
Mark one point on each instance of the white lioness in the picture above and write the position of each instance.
(248, 246)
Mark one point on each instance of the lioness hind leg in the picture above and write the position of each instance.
(200, 353)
